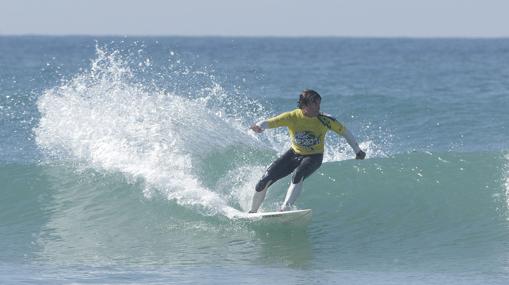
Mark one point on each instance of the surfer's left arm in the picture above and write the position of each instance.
(343, 131)
(359, 154)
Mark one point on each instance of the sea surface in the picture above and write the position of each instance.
(128, 160)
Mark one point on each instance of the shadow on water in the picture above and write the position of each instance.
(284, 244)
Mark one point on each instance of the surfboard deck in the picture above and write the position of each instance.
(286, 217)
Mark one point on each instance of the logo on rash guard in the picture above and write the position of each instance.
(306, 139)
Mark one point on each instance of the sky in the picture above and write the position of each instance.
(294, 18)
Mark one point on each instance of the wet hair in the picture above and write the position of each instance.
(308, 96)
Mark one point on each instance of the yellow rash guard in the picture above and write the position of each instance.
(307, 133)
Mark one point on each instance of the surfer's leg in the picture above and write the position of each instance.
(308, 165)
(258, 198)
(280, 168)
(291, 195)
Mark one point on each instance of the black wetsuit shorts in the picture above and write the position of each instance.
(304, 165)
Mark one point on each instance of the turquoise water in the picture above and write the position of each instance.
(128, 160)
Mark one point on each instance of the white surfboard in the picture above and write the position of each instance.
(287, 217)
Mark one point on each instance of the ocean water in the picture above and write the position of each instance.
(128, 161)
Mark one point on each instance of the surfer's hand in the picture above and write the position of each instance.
(256, 128)
(360, 155)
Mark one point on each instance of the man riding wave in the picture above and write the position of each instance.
(307, 127)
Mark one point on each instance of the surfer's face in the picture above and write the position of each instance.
(312, 109)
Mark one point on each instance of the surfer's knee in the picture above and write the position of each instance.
(297, 178)
(262, 185)
(302, 174)
(310, 165)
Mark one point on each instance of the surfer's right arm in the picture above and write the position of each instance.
(274, 122)
(260, 126)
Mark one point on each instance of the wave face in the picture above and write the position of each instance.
(422, 209)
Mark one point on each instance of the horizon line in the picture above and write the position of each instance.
(250, 36)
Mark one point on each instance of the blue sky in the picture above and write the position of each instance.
(358, 18)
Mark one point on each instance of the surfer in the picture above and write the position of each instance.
(307, 127)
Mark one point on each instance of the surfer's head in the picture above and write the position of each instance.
(309, 102)
(308, 97)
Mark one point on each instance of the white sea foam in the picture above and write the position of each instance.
(104, 118)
